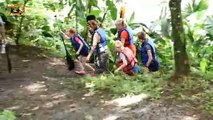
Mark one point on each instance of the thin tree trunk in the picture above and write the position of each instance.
(20, 26)
(182, 67)
(19, 31)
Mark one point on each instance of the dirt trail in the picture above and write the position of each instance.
(42, 89)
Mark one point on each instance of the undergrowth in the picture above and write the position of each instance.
(121, 85)
(7, 115)
(195, 91)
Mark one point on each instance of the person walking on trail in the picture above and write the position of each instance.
(127, 60)
(2, 36)
(125, 35)
(81, 48)
(98, 45)
(148, 52)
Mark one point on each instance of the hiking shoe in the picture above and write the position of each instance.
(80, 72)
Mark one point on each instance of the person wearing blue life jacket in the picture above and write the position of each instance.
(98, 45)
(148, 53)
(81, 48)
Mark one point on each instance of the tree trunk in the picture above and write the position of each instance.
(182, 67)
(20, 26)
(19, 31)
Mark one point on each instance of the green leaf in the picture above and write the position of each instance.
(113, 13)
(112, 9)
(96, 13)
(7, 115)
(203, 65)
(132, 18)
(93, 2)
(203, 5)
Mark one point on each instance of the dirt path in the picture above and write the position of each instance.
(42, 89)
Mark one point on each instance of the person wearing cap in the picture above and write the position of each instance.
(125, 35)
(98, 45)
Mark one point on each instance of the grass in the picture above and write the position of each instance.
(195, 91)
(121, 85)
(7, 115)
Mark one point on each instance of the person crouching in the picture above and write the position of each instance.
(127, 60)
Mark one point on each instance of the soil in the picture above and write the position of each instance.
(41, 88)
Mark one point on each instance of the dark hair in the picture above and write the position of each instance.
(91, 17)
(142, 35)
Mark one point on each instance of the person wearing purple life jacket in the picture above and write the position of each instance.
(148, 52)
(81, 48)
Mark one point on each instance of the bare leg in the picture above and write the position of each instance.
(86, 64)
(80, 63)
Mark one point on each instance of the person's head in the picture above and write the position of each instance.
(70, 32)
(141, 36)
(121, 23)
(118, 46)
(93, 25)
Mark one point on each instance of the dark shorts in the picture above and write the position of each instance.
(154, 66)
(102, 61)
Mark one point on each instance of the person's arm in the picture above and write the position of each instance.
(150, 57)
(81, 46)
(96, 38)
(123, 58)
(124, 36)
(65, 36)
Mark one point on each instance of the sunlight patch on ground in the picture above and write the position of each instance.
(128, 100)
(189, 118)
(25, 61)
(36, 87)
(55, 102)
(58, 95)
(56, 61)
(14, 107)
(51, 103)
(111, 117)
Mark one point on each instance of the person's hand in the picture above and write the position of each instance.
(146, 69)
(77, 53)
(116, 71)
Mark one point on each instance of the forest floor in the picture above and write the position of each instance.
(41, 88)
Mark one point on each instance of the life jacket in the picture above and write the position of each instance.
(102, 45)
(154, 66)
(130, 41)
(85, 49)
(131, 61)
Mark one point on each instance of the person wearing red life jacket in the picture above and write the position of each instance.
(127, 60)
(81, 48)
(125, 35)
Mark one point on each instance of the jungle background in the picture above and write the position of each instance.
(41, 88)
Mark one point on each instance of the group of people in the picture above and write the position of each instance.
(125, 49)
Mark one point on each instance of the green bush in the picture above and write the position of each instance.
(7, 115)
(124, 85)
